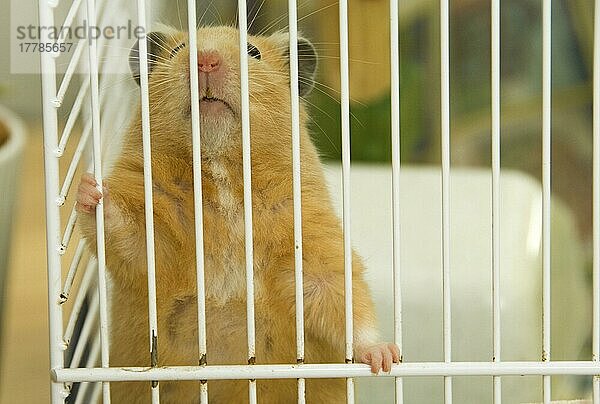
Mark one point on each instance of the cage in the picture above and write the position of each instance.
(388, 205)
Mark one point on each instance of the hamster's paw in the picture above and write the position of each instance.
(380, 356)
(88, 195)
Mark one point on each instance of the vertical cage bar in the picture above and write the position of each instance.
(198, 215)
(496, 195)
(247, 167)
(396, 157)
(546, 186)
(97, 154)
(91, 362)
(345, 117)
(84, 287)
(148, 201)
(86, 330)
(51, 169)
(596, 203)
(445, 145)
(297, 191)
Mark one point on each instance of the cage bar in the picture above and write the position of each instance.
(97, 154)
(546, 186)
(68, 21)
(297, 191)
(96, 393)
(445, 145)
(596, 204)
(198, 215)
(148, 201)
(329, 370)
(64, 296)
(345, 119)
(73, 115)
(84, 287)
(70, 226)
(50, 121)
(86, 331)
(92, 358)
(247, 167)
(64, 85)
(68, 181)
(396, 157)
(496, 334)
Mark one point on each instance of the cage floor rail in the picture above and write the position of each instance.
(314, 371)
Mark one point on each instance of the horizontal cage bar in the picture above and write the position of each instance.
(318, 371)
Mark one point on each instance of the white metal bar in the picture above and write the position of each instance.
(396, 158)
(546, 187)
(50, 121)
(445, 145)
(596, 203)
(148, 201)
(247, 166)
(198, 211)
(297, 190)
(68, 231)
(64, 85)
(68, 181)
(86, 331)
(84, 287)
(496, 194)
(96, 393)
(73, 115)
(64, 296)
(97, 154)
(328, 370)
(345, 118)
(69, 18)
(92, 358)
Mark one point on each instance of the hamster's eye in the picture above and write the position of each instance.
(253, 51)
(176, 49)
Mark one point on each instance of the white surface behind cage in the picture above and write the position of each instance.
(470, 231)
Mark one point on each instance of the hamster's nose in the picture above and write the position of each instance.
(208, 61)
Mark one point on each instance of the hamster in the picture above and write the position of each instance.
(223, 215)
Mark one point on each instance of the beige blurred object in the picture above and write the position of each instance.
(24, 376)
(369, 54)
(12, 140)
(369, 44)
(3, 134)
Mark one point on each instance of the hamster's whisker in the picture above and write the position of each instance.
(255, 14)
(314, 122)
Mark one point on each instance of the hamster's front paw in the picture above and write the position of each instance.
(88, 195)
(380, 356)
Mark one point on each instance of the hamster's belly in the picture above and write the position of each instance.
(226, 334)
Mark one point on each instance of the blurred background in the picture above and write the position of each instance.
(24, 358)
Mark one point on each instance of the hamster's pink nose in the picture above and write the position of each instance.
(208, 61)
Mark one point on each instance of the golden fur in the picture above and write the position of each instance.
(222, 188)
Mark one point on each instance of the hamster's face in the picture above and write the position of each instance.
(219, 82)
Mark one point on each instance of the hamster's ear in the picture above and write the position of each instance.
(307, 59)
(307, 66)
(156, 43)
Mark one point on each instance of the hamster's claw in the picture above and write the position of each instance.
(380, 356)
